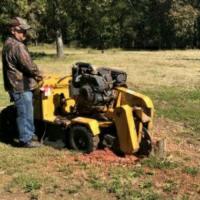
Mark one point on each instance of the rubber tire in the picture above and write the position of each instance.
(8, 124)
(81, 139)
(145, 144)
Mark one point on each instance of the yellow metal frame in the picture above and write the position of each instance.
(45, 106)
(129, 105)
(134, 100)
(129, 113)
(92, 124)
(126, 130)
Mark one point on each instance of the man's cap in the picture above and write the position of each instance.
(19, 23)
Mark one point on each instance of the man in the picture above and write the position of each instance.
(20, 79)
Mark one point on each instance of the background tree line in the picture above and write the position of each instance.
(128, 24)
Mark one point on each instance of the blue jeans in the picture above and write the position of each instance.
(25, 122)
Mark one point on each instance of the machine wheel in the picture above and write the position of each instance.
(81, 139)
(145, 144)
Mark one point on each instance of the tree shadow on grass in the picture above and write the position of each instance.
(47, 134)
(8, 129)
(185, 59)
(39, 55)
(8, 139)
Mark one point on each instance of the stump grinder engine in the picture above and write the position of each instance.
(93, 89)
(95, 109)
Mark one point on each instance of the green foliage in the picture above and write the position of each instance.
(151, 24)
(191, 170)
(184, 18)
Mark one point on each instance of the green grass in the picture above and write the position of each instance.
(191, 170)
(157, 163)
(124, 183)
(179, 105)
(27, 182)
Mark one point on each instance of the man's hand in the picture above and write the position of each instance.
(39, 77)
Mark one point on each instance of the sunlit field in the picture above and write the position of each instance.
(172, 80)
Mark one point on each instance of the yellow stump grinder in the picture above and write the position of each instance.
(94, 108)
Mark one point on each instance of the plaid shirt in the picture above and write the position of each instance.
(19, 71)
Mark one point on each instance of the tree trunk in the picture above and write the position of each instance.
(59, 44)
(36, 43)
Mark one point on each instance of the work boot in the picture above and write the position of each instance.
(29, 144)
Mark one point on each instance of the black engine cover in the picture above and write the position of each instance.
(95, 87)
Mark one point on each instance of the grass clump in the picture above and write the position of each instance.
(193, 171)
(154, 162)
(66, 170)
(96, 182)
(123, 189)
(146, 184)
(28, 183)
(73, 188)
(170, 186)
(126, 184)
